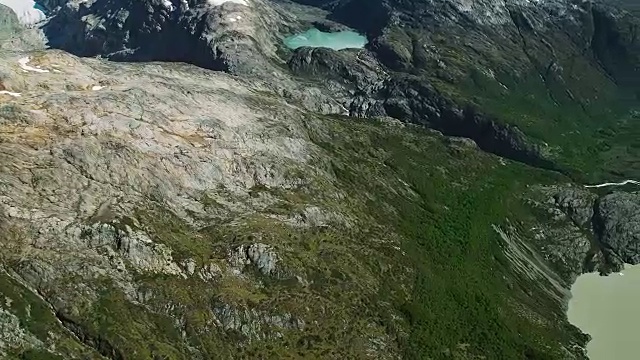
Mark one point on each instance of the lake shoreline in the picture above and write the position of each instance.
(604, 308)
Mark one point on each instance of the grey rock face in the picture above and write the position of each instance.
(140, 136)
(563, 238)
(15, 36)
(527, 262)
(462, 142)
(617, 224)
(254, 324)
(12, 335)
(358, 68)
(577, 204)
(9, 23)
(230, 37)
(210, 272)
(589, 233)
(314, 216)
(261, 256)
(134, 246)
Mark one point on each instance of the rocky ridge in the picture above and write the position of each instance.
(104, 207)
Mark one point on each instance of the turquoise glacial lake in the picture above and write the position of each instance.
(336, 40)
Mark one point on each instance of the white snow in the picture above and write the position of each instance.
(23, 64)
(220, 2)
(168, 5)
(10, 93)
(26, 10)
(97, 87)
(233, 19)
(622, 183)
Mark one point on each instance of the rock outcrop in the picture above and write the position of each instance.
(587, 232)
(261, 256)
(617, 224)
(123, 186)
(215, 35)
(577, 204)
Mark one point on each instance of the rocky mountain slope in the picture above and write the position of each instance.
(562, 72)
(166, 211)
(550, 83)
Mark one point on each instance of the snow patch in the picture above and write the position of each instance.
(622, 183)
(168, 5)
(25, 67)
(220, 2)
(28, 11)
(10, 93)
(97, 87)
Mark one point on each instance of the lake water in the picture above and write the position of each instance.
(608, 309)
(336, 40)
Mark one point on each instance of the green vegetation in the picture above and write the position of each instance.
(460, 299)
(575, 97)
(592, 133)
(36, 319)
(563, 99)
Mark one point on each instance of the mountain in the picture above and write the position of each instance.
(551, 83)
(178, 185)
(563, 72)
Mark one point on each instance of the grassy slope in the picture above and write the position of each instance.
(459, 293)
(37, 319)
(598, 137)
(546, 83)
(564, 99)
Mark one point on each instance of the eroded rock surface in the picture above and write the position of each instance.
(122, 187)
(617, 223)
